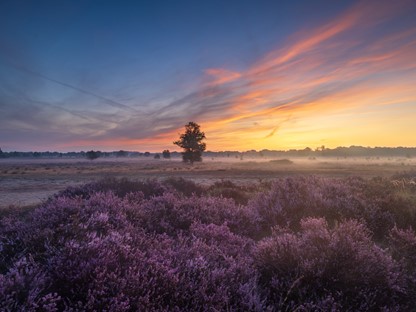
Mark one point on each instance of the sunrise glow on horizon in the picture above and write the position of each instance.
(254, 76)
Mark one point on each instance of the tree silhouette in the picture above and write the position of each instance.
(121, 153)
(191, 142)
(166, 154)
(91, 155)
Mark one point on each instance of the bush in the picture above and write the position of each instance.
(302, 243)
(281, 161)
(374, 203)
(184, 187)
(106, 252)
(120, 187)
(303, 270)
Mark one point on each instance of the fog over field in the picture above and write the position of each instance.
(30, 181)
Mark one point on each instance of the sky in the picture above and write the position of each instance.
(279, 75)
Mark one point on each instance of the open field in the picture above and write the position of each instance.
(29, 181)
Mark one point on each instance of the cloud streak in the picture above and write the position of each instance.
(360, 59)
(361, 63)
(105, 100)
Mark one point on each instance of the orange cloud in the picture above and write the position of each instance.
(324, 83)
(221, 76)
(351, 63)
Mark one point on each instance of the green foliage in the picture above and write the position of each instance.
(191, 142)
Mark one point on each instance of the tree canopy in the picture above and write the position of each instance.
(191, 142)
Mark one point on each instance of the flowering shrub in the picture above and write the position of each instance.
(185, 187)
(120, 187)
(319, 263)
(403, 248)
(374, 203)
(239, 193)
(303, 244)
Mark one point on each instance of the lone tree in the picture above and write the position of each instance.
(191, 142)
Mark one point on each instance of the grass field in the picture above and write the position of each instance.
(26, 182)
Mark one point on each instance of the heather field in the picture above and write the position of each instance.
(320, 235)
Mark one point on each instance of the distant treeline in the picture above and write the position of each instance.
(81, 154)
(352, 151)
(343, 152)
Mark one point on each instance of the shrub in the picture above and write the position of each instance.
(373, 203)
(303, 243)
(281, 161)
(106, 252)
(319, 265)
(120, 187)
(185, 187)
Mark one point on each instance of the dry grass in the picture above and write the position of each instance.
(28, 181)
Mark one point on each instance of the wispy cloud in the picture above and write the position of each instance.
(296, 95)
(221, 75)
(103, 99)
(359, 59)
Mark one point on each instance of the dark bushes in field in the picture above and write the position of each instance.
(241, 194)
(281, 161)
(303, 244)
(184, 187)
(152, 187)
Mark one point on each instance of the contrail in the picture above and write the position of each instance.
(60, 108)
(107, 100)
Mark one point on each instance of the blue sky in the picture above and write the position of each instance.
(118, 74)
